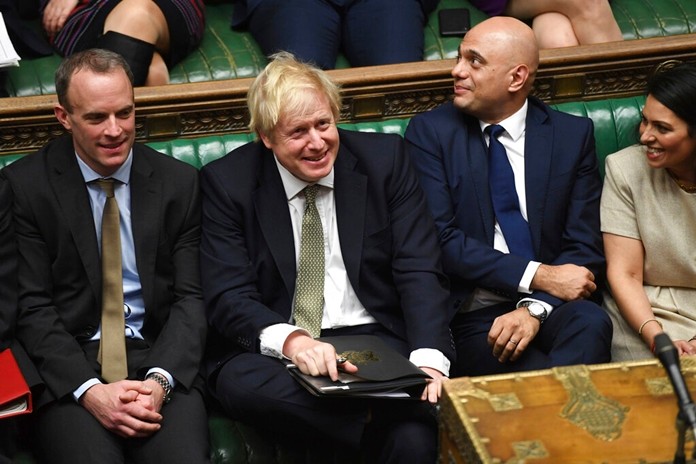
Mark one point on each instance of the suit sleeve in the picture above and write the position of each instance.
(58, 356)
(581, 238)
(180, 343)
(465, 256)
(416, 265)
(234, 304)
(8, 268)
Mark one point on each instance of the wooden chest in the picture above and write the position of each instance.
(608, 413)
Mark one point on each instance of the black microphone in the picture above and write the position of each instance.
(667, 353)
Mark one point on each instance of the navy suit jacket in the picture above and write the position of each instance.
(387, 240)
(60, 271)
(563, 189)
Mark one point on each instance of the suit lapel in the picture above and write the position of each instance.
(350, 194)
(146, 194)
(71, 192)
(271, 207)
(538, 154)
(477, 159)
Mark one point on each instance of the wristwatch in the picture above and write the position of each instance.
(536, 310)
(164, 383)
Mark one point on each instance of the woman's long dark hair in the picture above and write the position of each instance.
(676, 89)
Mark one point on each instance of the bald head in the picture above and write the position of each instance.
(498, 60)
(514, 41)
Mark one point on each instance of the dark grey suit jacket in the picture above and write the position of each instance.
(59, 263)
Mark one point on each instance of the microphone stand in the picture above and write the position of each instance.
(682, 428)
(686, 416)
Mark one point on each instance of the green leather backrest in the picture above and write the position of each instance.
(615, 125)
(615, 122)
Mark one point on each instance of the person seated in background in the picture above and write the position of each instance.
(648, 213)
(8, 307)
(110, 308)
(367, 32)
(151, 35)
(12, 429)
(560, 23)
(514, 187)
(313, 230)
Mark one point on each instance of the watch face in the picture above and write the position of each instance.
(536, 309)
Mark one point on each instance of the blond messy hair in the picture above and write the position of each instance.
(285, 87)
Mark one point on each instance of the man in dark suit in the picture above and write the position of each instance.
(522, 290)
(8, 305)
(367, 32)
(58, 204)
(380, 269)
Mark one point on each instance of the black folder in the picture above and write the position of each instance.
(382, 371)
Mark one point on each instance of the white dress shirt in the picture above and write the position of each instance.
(342, 307)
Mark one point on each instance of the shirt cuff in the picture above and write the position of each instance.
(273, 337)
(432, 358)
(77, 394)
(166, 375)
(527, 277)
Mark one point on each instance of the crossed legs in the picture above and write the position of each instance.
(143, 20)
(563, 23)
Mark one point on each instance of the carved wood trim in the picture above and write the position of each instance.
(401, 90)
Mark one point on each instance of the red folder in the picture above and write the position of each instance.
(15, 396)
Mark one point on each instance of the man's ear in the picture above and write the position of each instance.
(519, 75)
(265, 139)
(62, 116)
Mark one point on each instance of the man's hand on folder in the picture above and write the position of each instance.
(433, 388)
(313, 357)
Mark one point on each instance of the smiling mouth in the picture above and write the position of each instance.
(114, 145)
(316, 159)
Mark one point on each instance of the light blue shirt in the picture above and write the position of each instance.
(133, 303)
(134, 306)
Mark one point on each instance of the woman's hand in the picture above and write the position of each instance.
(55, 14)
(685, 347)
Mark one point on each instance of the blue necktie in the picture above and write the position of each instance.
(505, 202)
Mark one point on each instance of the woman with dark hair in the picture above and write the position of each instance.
(648, 214)
(152, 35)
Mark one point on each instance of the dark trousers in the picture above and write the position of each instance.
(367, 32)
(578, 332)
(67, 433)
(257, 389)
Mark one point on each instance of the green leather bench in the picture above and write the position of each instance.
(228, 54)
(616, 122)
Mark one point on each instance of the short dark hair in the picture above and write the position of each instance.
(676, 89)
(96, 60)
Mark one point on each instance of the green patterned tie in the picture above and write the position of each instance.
(309, 292)
(112, 346)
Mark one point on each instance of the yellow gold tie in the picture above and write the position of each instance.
(309, 292)
(112, 346)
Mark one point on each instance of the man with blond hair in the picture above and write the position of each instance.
(379, 270)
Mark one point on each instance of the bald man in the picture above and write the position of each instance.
(522, 245)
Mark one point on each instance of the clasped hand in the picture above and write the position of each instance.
(129, 408)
